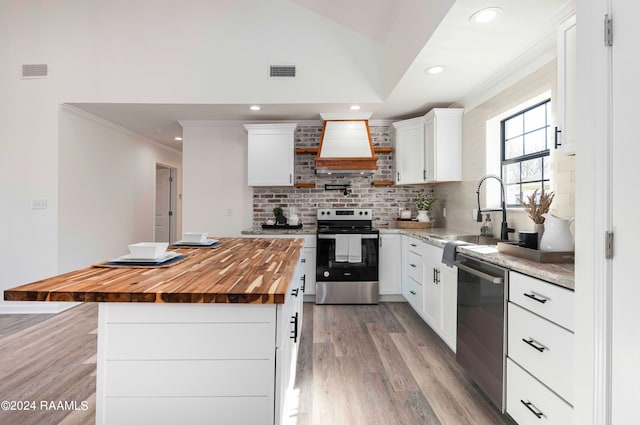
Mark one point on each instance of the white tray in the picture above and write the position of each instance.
(208, 242)
(129, 259)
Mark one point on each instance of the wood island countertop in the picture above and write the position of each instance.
(239, 270)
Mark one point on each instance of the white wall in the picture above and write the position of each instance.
(460, 197)
(106, 186)
(215, 179)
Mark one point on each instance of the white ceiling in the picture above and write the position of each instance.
(475, 57)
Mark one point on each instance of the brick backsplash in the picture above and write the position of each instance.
(385, 201)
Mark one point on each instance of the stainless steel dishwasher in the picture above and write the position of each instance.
(480, 341)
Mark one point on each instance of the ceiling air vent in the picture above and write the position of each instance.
(40, 70)
(282, 71)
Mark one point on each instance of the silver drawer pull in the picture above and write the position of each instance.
(413, 265)
(533, 409)
(413, 292)
(535, 344)
(413, 245)
(536, 297)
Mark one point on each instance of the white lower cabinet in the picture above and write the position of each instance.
(389, 264)
(539, 351)
(424, 273)
(530, 402)
(449, 283)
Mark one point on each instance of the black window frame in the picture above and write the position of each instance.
(525, 157)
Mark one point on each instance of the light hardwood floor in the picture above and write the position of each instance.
(357, 365)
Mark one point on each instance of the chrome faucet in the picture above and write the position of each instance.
(505, 229)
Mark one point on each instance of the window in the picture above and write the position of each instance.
(525, 152)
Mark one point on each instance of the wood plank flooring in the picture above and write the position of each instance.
(357, 365)
(381, 365)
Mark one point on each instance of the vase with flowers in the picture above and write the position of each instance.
(424, 204)
(536, 208)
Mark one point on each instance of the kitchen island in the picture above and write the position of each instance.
(211, 339)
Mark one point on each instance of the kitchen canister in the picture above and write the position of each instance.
(557, 236)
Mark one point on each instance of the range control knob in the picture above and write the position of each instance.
(366, 213)
(360, 213)
(325, 274)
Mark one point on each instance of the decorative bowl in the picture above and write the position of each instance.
(148, 249)
(194, 236)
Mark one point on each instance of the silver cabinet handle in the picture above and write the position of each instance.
(413, 245)
(413, 265)
(478, 273)
(413, 292)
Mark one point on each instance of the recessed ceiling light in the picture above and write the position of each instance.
(178, 138)
(485, 15)
(354, 107)
(254, 107)
(437, 69)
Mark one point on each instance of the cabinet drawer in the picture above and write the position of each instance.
(413, 294)
(415, 266)
(544, 349)
(523, 388)
(414, 245)
(549, 301)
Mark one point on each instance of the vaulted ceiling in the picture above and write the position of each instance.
(367, 52)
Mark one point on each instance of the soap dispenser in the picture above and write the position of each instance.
(487, 227)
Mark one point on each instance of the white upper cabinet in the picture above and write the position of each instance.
(443, 145)
(566, 129)
(409, 151)
(429, 149)
(271, 154)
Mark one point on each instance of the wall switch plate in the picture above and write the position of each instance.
(444, 212)
(38, 204)
(475, 214)
(229, 212)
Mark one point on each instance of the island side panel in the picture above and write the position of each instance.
(163, 363)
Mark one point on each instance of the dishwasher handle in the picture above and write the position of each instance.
(478, 273)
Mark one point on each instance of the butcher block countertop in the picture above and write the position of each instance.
(239, 270)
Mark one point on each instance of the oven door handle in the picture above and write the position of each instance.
(478, 273)
(333, 235)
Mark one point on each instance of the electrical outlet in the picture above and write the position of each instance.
(229, 212)
(475, 214)
(39, 204)
(444, 212)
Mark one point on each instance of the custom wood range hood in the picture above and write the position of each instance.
(345, 145)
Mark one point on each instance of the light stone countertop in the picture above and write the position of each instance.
(561, 274)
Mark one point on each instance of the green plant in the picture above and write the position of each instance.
(277, 211)
(423, 203)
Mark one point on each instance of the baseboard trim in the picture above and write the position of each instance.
(26, 307)
(394, 298)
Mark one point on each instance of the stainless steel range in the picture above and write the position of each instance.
(347, 257)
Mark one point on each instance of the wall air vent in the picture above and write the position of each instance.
(282, 71)
(40, 70)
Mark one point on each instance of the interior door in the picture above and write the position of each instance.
(626, 153)
(163, 205)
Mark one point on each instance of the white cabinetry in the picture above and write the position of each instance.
(409, 151)
(425, 276)
(566, 130)
(539, 351)
(390, 262)
(432, 293)
(449, 283)
(443, 145)
(271, 153)
(429, 149)
(413, 274)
